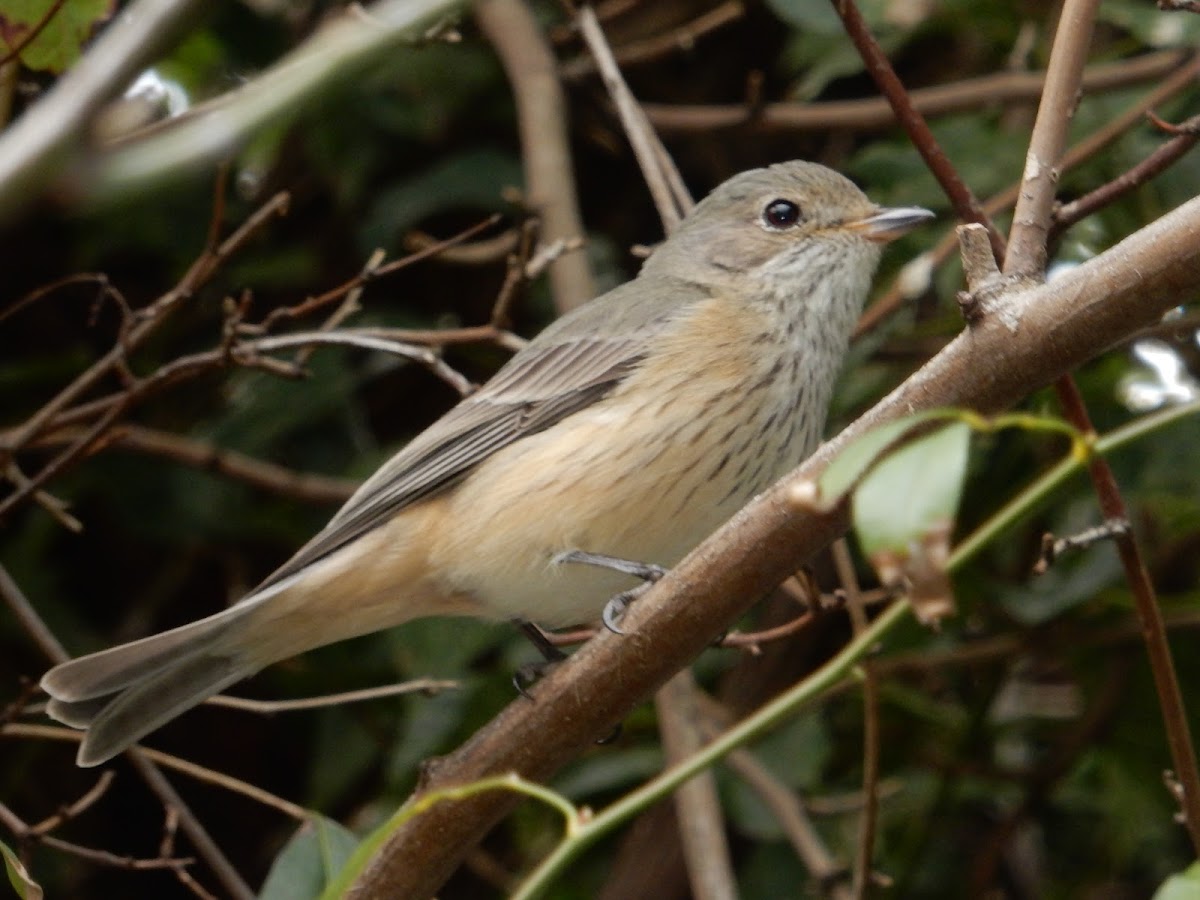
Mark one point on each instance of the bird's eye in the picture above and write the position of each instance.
(781, 214)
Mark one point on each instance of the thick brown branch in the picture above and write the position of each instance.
(1051, 329)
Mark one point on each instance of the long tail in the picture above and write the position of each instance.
(121, 695)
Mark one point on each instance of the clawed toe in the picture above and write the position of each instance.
(529, 674)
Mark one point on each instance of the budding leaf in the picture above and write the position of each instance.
(18, 877)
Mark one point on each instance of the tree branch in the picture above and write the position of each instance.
(1048, 330)
(545, 144)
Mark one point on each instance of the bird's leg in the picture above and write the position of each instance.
(616, 606)
(531, 672)
(551, 656)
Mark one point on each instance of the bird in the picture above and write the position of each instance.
(630, 428)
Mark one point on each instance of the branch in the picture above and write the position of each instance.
(697, 806)
(681, 38)
(545, 144)
(267, 476)
(210, 132)
(34, 148)
(1050, 329)
(1043, 162)
(671, 197)
(876, 114)
(880, 69)
(205, 846)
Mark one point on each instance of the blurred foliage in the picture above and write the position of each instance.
(1033, 771)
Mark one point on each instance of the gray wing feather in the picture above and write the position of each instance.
(567, 368)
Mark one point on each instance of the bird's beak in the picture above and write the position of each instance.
(888, 224)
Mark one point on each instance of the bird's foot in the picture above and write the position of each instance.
(615, 608)
(529, 673)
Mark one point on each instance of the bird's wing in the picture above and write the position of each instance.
(565, 369)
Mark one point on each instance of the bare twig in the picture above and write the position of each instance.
(476, 253)
(1039, 183)
(671, 198)
(1184, 140)
(27, 617)
(150, 319)
(874, 114)
(698, 809)
(429, 250)
(683, 37)
(32, 34)
(1053, 548)
(75, 809)
(28, 835)
(1192, 6)
(53, 650)
(166, 760)
(545, 144)
(271, 707)
(1027, 259)
(870, 814)
(880, 69)
(189, 451)
(789, 811)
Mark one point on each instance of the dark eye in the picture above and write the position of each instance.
(781, 214)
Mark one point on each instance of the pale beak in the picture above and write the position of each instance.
(888, 224)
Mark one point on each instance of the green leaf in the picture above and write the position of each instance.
(853, 461)
(60, 42)
(912, 491)
(903, 513)
(1183, 885)
(26, 887)
(309, 861)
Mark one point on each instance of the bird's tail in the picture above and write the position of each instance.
(122, 694)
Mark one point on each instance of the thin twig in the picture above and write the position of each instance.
(865, 852)
(880, 69)
(228, 463)
(666, 187)
(698, 808)
(1153, 165)
(33, 624)
(200, 271)
(28, 835)
(429, 250)
(168, 761)
(874, 114)
(682, 37)
(545, 144)
(66, 813)
(271, 707)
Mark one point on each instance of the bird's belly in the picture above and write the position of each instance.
(638, 484)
